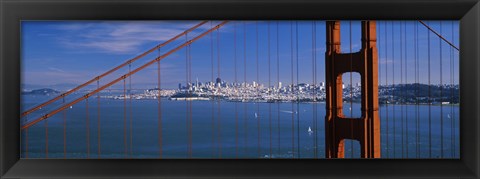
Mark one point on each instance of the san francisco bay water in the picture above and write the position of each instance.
(222, 129)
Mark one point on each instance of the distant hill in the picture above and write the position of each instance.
(59, 86)
(411, 93)
(43, 91)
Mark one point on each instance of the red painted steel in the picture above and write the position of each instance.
(367, 128)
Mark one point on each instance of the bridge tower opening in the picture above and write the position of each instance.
(338, 127)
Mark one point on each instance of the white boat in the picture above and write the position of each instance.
(291, 112)
(256, 115)
(71, 107)
(310, 132)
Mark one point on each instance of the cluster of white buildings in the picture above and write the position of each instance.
(244, 92)
(255, 91)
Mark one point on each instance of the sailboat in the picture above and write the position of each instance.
(256, 115)
(310, 132)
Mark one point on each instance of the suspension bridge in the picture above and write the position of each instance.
(390, 125)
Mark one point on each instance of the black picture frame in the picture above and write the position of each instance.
(13, 11)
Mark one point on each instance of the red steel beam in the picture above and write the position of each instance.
(112, 70)
(26, 126)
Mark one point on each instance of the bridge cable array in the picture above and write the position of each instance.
(273, 91)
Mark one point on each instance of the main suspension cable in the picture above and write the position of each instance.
(439, 35)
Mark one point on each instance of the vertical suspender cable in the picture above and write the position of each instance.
(46, 139)
(258, 91)
(298, 91)
(218, 101)
(380, 76)
(190, 102)
(125, 116)
(98, 121)
(130, 106)
(187, 102)
(245, 84)
(235, 86)
(187, 91)
(292, 90)
(387, 87)
(314, 74)
(190, 112)
(351, 88)
(278, 85)
(313, 82)
(269, 89)
(315, 87)
(64, 130)
(452, 80)
(212, 83)
(417, 122)
(393, 93)
(401, 85)
(441, 94)
(417, 72)
(26, 143)
(159, 101)
(88, 127)
(429, 103)
(404, 93)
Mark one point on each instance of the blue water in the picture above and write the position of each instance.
(228, 136)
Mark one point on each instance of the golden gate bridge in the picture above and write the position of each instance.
(338, 126)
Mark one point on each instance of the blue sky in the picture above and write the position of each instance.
(72, 52)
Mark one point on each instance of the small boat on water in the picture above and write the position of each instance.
(291, 112)
(310, 132)
(256, 115)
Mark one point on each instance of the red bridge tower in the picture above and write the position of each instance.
(366, 129)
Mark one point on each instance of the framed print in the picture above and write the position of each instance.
(239, 89)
